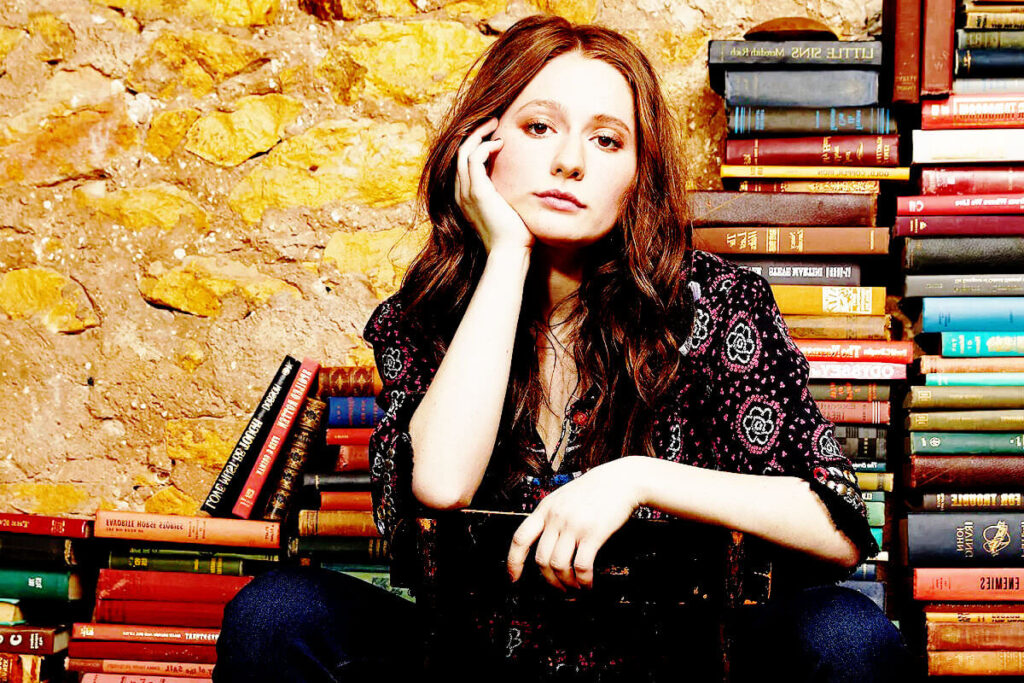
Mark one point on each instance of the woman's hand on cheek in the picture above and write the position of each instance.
(572, 523)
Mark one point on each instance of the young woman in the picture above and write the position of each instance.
(558, 348)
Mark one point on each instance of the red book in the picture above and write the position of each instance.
(126, 584)
(191, 670)
(157, 652)
(41, 525)
(901, 33)
(960, 205)
(145, 526)
(972, 180)
(968, 583)
(965, 472)
(33, 640)
(855, 412)
(145, 633)
(345, 500)
(989, 110)
(348, 436)
(118, 678)
(951, 226)
(163, 613)
(822, 150)
(289, 412)
(352, 459)
(937, 47)
(839, 350)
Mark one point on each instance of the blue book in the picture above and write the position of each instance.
(353, 411)
(972, 314)
(972, 379)
(867, 571)
(802, 88)
(977, 344)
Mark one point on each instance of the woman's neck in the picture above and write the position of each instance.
(560, 271)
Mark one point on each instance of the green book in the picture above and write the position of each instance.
(229, 566)
(876, 514)
(39, 585)
(939, 443)
(381, 578)
(873, 496)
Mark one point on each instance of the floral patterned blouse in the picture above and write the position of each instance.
(742, 405)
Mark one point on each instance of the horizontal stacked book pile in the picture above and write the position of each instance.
(804, 115)
(44, 582)
(832, 297)
(335, 527)
(160, 599)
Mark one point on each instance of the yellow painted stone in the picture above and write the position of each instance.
(162, 205)
(256, 125)
(382, 255)
(372, 162)
(361, 355)
(55, 34)
(204, 441)
(167, 129)
(50, 297)
(197, 61)
(230, 12)
(9, 37)
(416, 60)
(576, 11)
(371, 9)
(191, 355)
(343, 73)
(200, 283)
(44, 499)
(170, 500)
(478, 9)
(670, 47)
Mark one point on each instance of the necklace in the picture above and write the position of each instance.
(569, 400)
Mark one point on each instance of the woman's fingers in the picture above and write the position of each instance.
(545, 548)
(561, 561)
(468, 146)
(522, 539)
(583, 565)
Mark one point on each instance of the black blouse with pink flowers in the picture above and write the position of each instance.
(741, 404)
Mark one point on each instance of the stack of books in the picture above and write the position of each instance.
(816, 251)
(41, 592)
(160, 613)
(804, 116)
(335, 528)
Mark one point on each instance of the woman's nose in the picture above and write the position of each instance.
(569, 158)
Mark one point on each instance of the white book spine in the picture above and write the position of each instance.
(956, 146)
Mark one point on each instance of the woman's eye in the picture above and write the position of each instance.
(612, 143)
(532, 127)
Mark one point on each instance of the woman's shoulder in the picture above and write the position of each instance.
(722, 284)
(387, 322)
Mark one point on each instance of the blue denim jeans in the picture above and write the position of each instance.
(312, 625)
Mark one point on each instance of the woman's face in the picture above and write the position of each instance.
(571, 130)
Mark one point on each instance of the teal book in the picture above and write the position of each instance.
(876, 531)
(972, 314)
(971, 379)
(869, 466)
(873, 496)
(978, 344)
(951, 443)
(35, 584)
(876, 513)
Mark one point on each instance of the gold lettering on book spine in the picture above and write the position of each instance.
(997, 538)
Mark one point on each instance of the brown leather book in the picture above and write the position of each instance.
(937, 47)
(792, 240)
(839, 326)
(1008, 636)
(964, 472)
(901, 36)
(711, 208)
(976, 663)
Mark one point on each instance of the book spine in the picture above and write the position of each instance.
(968, 583)
(794, 53)
(873, 497)
(977, 86)
(29, 640)
(711, 209)
(160, 613)
(816, 186)
(20, 668)
(841, 150)
(118, 678)
(352, 459)
(963, 472)
(206, 565)
(972, 502)
(37, 549)
(875, 481)
(964, 616)
(746, 121)
(160, 652)
(348, 436)
(802, 88)
(341, 549)
(982, 63)
(180, 529)
(975, 663)
(972, 180)
(880, 351)
(275, 439)
(970, 313)
(1002, 364)
(192, 670)
(960, 205)
(145, 634)
(1006, 636)
(337, 523)
(305, 433)
(870, 466)
(858, 370)
(952, 379)
(243, 455)
(935, 443)
(960, 538)
(354, 380)
(850, 391)
(168, 586)
(957, 254)
(823, 172)
(968, 146)
(989, 39)
(353, 411)
(337, 481)
(812, 300)
(903, 38)
(34, 584)
(984, 344)
(802, 272)
(792, 240)
(994, 110)
(994, 20)
(966, 285)
(858, 412)
(968, 420)
(345, 500)
(859, 431)
(937, 47)
(17, 523)
(839, 326)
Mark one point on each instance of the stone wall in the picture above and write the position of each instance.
(191, 189)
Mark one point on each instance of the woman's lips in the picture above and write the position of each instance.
(559, 204)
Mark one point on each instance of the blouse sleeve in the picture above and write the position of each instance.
(406, 374)
(763, 419)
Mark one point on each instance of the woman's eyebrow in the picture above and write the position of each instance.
(601, 119)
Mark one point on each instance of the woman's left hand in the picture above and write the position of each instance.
(574, 521)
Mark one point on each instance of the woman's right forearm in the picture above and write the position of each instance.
(454, 428)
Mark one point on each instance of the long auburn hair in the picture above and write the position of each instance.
(633, 308)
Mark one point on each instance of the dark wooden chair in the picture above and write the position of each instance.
(668, 586)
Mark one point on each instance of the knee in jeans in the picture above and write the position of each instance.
(276, 603)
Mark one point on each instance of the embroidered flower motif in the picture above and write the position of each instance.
(826, 444)
(742, 345)
(392, 363)
(675, 440)
(725, 285)
(580, 417)
(759, 420)
(701, 329)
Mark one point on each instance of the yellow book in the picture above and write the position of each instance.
(826, 300)
(817, 172)
(968, 617)
(813, 186)
(875, 481)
